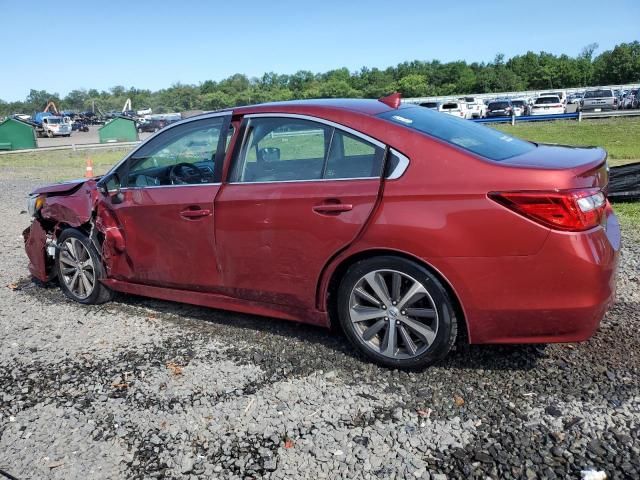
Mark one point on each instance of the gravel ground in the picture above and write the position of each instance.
(141, 388)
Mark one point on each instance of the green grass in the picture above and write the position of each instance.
(58, 165)
(619, 136)
(628, 213)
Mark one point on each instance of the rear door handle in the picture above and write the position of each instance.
(333, 208)
(190, 214)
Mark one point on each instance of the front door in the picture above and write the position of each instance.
(166, 211)
(299, 191)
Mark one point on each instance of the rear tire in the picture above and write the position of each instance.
(396, 313)
(80, 269)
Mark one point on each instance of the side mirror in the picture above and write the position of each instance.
(110, 186)
(269, 154)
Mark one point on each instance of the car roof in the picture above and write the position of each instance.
(357, 105)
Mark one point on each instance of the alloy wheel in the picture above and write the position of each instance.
(393, 314)
(76, 268)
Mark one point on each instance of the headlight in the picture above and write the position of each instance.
(34, 204)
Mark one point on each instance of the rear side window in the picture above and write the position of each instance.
(283, 149)
(547, 100)
(498, 105)
(291, 149)
(476, 138)
(598, 94)
(352, 157)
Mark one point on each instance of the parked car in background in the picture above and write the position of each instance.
(575, 98)
(547, 105)
(468, 229)
(431, 105)
(561, 94)
(152, 125)
(476, 106)
(457, 109)
(599, 99)
(79, 125)
(520, 107)
(629, 98)
(500, 108)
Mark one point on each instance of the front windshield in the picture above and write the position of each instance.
(52, 120)
(476, 138)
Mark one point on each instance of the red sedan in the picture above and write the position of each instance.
(404, 225)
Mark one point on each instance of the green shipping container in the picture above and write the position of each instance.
(16, 135)
(119, 129)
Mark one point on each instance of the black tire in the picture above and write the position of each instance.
(447, 325)
(100, 293)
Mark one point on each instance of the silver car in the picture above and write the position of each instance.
(598, 100)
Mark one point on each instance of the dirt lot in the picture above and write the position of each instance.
(147, 389)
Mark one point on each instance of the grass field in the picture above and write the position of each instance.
(629, 214)
(619, 136)
(57, 165)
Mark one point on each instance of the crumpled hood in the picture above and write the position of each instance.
(60, 188)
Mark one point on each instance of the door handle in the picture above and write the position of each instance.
(189, 214)
(333, 208)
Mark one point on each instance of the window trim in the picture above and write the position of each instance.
(403, 164)
(336, 126)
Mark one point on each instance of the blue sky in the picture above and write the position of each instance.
(60, 46)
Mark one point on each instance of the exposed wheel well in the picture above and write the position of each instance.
(347, 262)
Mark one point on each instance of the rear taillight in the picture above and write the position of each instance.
(568, 210)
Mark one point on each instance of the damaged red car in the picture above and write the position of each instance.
(404, 226)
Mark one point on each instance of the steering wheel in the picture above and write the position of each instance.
(184, 174)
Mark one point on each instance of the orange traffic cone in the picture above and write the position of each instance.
(89, 170)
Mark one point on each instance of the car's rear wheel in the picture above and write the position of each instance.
(80, 269)
(396, 312)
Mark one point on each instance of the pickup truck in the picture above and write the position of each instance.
(49, 125)
(598, 100)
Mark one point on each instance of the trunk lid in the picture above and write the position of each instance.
(587, 166)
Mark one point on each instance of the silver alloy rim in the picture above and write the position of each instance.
(76, 268)
(393, 314)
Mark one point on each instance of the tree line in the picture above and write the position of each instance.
(531, 71)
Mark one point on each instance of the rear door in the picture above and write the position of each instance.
(299, 190)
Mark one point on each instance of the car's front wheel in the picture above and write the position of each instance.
(80, 269)
(396, 312)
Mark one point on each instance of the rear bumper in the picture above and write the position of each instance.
(558, 295)
(587, 108)
(550, 111)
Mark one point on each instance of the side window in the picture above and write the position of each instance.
(182, 155)
(281, 149)
(352, 157)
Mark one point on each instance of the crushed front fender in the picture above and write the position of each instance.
(35, 239)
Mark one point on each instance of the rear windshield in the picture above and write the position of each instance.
(471, 136)
(429, 104)
(518, 103)
(598, 94)
(498, 105)
(449, 106)
(545, 100)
